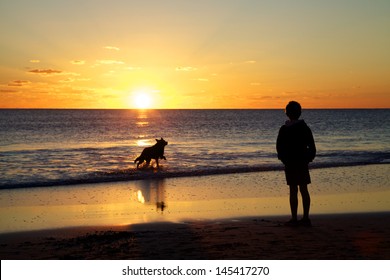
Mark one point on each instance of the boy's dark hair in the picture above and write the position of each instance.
(293, 110)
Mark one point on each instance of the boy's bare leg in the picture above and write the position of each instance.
(294, 201)
(305, 200)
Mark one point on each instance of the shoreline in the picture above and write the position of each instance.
(154, 174)
(350, 236)
(334, 190)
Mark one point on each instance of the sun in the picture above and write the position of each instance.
(142, 100)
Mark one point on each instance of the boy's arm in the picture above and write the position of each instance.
(280, 145)
(311, 146)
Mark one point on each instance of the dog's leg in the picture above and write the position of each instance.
(140, 161)
(158, 166)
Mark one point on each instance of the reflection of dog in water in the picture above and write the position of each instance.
(161, 206)
(155, 152)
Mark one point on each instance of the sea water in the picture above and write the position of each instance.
(68, 147)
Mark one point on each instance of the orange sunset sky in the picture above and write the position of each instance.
(194, 54)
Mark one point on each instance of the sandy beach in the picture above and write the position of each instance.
(235, 216)
(342, 236)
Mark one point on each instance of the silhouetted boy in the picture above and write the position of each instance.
(296, 148)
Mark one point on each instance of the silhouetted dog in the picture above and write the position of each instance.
(155, 152)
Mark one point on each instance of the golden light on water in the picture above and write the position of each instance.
(143, 142)
(140, 197)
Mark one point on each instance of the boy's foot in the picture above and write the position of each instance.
(305, 222)
(291, 223)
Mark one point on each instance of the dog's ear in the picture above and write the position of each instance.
(156, 140)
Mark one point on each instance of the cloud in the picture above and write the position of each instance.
(45, 71)
(111, 48)
(109, 62)
(250, 62)
(78, 62)
(49, 72)
(110, 73)
(202, 80)
(186, 68)
(18, 83)
(67, 80)
(35, 61)
(8, 90)
(71, 80)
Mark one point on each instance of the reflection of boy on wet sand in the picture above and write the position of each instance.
(296, 148)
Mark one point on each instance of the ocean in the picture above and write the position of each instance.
(70, 147)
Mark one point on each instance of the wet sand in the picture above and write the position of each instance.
(342, 236)
(235, 216)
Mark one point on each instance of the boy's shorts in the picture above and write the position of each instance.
(297, 174)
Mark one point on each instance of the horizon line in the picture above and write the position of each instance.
(145, 109)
